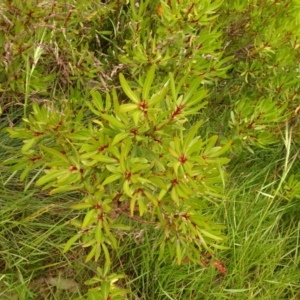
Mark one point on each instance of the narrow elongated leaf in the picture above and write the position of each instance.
(105, 288)
(210, 143)
(103, 158)
(111, 178)
(153, 199)
(82, 205)
(127, 107)
(173, 89)
(29, 144)
(148, 83)
(178, 253)
(220, 247)
(25, 172)
(161, 250)
(142, 203)
(99, 233)
(219, 151)
(132, 205)
(194, 86)
(136, 117)
(119, 137)
(107, 260)
(97, 100)
(126, 188)
(127, 90)
(65, 189)
(91, 254)
(191, 133)
(56, 154)
(158, 182)
(69, 178)
(89, 218)
(113, 121)
(107, 102)
(160, 95)
(211, 235)
(53, 175)
(120, 226)
(98, 251)
(197, 98)
(71, 241)
(173, 153)
(93, 110)
(174, 196)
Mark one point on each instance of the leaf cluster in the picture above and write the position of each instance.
(141, 158)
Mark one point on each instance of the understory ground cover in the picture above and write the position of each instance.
(149, 150)
(262, 261)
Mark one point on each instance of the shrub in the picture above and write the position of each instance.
(134, 148)
(141, 158)
(53, 49)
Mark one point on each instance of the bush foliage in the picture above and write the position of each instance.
(139, 78)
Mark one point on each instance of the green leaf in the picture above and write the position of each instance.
(174, 196)
(217, 151)
(99, 233)
(69, 178)
(103, 158)
(148, 83)
(97, 100)
(136, 117)
(173, 153)
(196, 98)
(161, 250)
(107, 260)
(93, 294)
(98, 251)
(173, 89)
(107, 102)
(191, 133)
(55, 154)
(158, 182)
(126, 188)
(105, 289)
(176, 166)
(113, 121)
(220, 247)
(142, 203)
(19, 133)
(150, 196)
(71, 241)
(119, 137)
(91, 253)
(89, 218)
(29, 144)
(53, 175)
(178, 252)
(82, 206)
(93, 110)
(210, 235)
(119, 226)
(127, 107)
(65, 189)
(156, 98)
(132, 205)
(210, 143)
(25, 172)
(111, 178)
(194, 146)
(127, 90)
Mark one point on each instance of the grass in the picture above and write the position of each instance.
(263, 235)
(263, 231)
